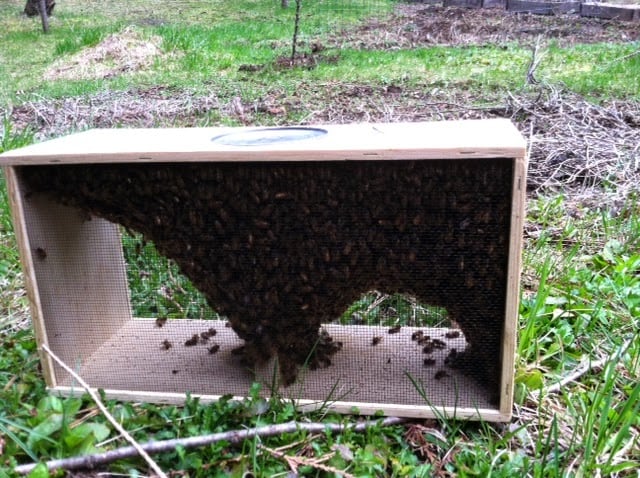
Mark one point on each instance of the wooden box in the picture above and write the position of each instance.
(281, 229)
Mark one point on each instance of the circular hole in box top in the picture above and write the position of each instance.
(266, 136)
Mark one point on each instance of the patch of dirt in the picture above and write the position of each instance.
(420, 25)
(123, 52)
(152, 107)
(305, 60)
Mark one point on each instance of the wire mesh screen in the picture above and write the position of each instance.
(317, 16)
(348, 7)
(364, 281)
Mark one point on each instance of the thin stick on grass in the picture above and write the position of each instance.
(138, 450)
(295, 462)
(232, 436)
(583, 368)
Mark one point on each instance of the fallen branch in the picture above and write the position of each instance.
(584, 367)
(232, 436)
(135, 446)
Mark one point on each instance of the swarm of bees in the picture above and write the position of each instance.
(280, 248)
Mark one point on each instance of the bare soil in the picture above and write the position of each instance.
(419, 25)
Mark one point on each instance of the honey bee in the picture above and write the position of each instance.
(395, 329)
(429, 362)
(325, 361)
(192, 341)
(438, 344)
(453, 353)
(214, 348)
(440, 374)
(41, 254)
(424, 340)
(376, 340)
(166, 345)
(452, 334)
(160, 321)
(417, 335)
(428, 349)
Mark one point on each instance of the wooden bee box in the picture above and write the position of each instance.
(282, 230)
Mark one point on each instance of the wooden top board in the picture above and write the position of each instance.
(493, 138)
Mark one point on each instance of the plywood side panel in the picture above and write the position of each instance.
(31, 284)
(77, 271)
(513, 285)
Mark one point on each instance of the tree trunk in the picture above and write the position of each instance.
(285, 3)
(296, 29)
(44, 8)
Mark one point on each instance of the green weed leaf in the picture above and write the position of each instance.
(40, 471)
(45, 429)
(532, 379)
(86, 434)
(71, 406)
(49, 405)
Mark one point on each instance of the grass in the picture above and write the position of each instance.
(580, 283)
(205, 52)
(13, 301)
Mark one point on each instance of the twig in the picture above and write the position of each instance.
(232, 436)
(296, 461)
(584, 367)
(138, 450)
(536, 58)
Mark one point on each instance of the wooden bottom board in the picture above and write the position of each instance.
(135, 365)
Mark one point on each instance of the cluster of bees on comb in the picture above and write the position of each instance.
(280, 248)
